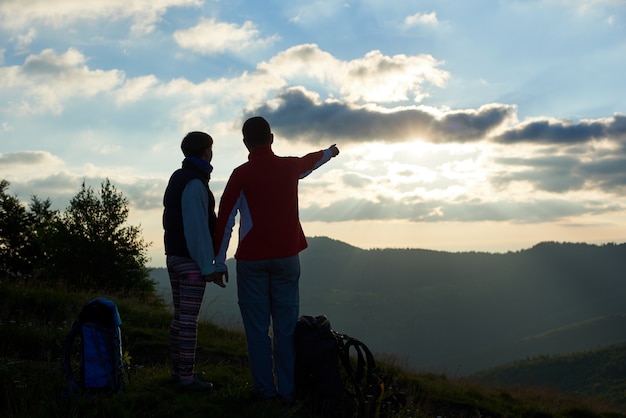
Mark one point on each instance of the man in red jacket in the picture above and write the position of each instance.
(264, 191)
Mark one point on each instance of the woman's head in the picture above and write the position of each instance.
(196, 143)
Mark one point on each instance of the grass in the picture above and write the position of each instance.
(34, 321)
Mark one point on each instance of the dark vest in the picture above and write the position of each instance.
(174, 238)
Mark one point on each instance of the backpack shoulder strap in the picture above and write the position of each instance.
(362, 382)
(365, 360)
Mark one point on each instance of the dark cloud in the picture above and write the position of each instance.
(557, 174)
(551, 179)
(24, 158)
(617, 128)
(607, 166)
(47, 64)
(565, 132)
(608, 174)
(560, 174)
(300, 116)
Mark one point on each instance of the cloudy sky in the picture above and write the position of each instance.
(488, 125)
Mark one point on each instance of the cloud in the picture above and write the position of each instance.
(469, 210)
(142, 193)
(299, 114)
(572, 156)
(211, 37)
(593, 7)
(555, 174)
(373, 78)
(609, 174)
(135, 89)
(598, 169)
(526, 211)
(308, 13)
(23, 41)
(422, 19)
(381, 78)
(27, 158)
(356, 180)
(550, 131)
(46, 80)
(19, 14)
(59, 188)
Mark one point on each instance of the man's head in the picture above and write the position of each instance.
(256, 132)
(196, 143)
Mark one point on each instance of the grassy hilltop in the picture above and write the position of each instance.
(35, 320)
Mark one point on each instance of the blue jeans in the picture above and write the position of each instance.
(268, 292)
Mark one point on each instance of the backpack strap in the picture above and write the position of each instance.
(364, 386)
(361, 375)
(365, 361)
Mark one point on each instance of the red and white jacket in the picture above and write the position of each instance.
(264, 191)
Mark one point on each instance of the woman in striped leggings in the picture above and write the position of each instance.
(189, 222)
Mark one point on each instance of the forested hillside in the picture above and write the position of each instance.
(458, 312)
(599, 373)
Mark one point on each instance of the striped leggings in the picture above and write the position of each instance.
(187, 293)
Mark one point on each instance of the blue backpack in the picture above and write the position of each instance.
(92, 359)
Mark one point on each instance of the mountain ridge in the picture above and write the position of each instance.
(463, 311)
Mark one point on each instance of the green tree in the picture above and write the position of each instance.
(14, 234)
(43, 226)
(98, 251)
(88, 246)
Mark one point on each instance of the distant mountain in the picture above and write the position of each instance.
(596, 373)
(457, 312)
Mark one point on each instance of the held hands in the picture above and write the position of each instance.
(220, 278)
(334, 150)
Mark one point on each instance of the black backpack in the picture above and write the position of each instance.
(336, 374)
(92, 359)
(318, 380)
